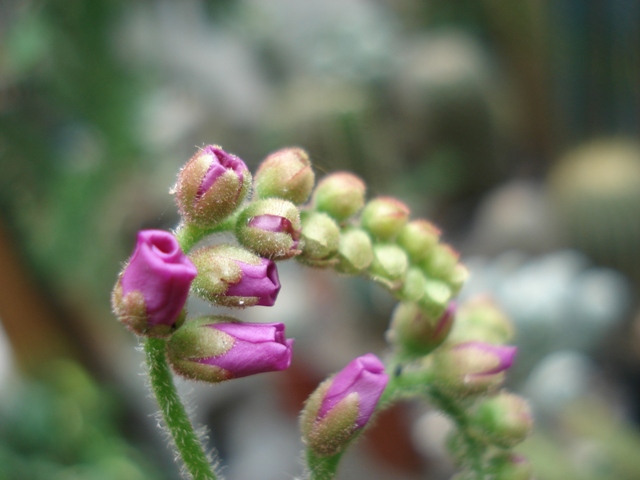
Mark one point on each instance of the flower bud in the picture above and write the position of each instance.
(389, 266)
(341, 195)
(285, 174)
(416, 332)
(355, 252)
(153, 287)
(441, 262)
(436, 298)
(234, 277)
(472, 367)
(418, 238)
(458, 277)
(504, 420)
(270, 228)
(211, 186)
(415, 285)
(384, 217)
(320, 239)
(342, 405)
(481, 319)
(217, 348)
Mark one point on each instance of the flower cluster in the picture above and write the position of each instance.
(454, 355)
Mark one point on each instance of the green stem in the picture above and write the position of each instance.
(174, 414)
(188, 234)
(322, 468)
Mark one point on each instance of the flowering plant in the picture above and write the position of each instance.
(456, 362)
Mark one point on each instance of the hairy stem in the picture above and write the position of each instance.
(322, 468)
(174, 414)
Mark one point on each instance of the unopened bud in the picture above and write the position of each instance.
(342, 405)
(389, 266)
(320, 239)
(234, 277)
(340, 194)
(480, 319)
(418, 237)
(153, 287)
(355, 251)
(211, 186)
(441, 262)
(285, 174)
(436, 298)
(472, 367)
(270, 228)
(217, 348)
(384, 217)
(416, 332)
(504, 420)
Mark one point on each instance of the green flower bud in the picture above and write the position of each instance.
(441, 262)
(270, 228)
(481, 319)
(458, 277)
(384, 217)
(504, 420)
(415, 285)
(341, 195)
(320, 239)
(437, 296)
(285, 174)
(389, 266)
(416, 332)
(355, 252)
(418, 238)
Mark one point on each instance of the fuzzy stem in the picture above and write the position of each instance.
(189, 234)
(322, 468)
(174, 414)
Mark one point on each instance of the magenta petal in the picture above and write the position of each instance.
(257, 348)
(162, 273)
(364, 376)
(222, 161)
(276, 224)
(506, 354)
(257, 281)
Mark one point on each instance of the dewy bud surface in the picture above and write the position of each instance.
(154, 285)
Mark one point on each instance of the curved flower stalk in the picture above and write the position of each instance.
(453, 356)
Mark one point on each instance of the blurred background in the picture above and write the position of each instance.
(514, 126)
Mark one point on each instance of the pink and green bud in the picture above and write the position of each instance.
(285, 174)
(417, 333)
(270, 228)
(217, 348)
(342, 405)
(441, 262)
(472, 367)
(234, 277)
(504, 420)
(355, 251)
(320, 239)
(211, 186)
(481, 319)
(340, 195)
(418, 237)
(384, 217)
(389, 266)
(153, 287)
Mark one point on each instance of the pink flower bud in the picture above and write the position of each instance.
(472, 367)
(154, 285)
(211, 186)
(270, 228)
(234, 277)
(342, 405)
(285, 174)
(214, 349)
